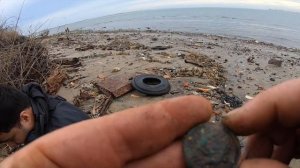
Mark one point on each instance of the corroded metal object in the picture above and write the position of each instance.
(211, 145)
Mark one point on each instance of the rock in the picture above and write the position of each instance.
(275, 61)
(116, 69)
(272, 79)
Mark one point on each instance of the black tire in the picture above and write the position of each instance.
(151, 85)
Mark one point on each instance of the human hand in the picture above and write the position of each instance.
(144, 137)
(273, 119)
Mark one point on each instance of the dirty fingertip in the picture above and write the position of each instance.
(233, 121)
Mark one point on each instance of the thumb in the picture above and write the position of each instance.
(279, 104)
(262, 163)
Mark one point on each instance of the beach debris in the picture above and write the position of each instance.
(151, 85)
(212, 87)
(249, 97)
(116, 69)
(116, 85)
(135, 96)
(205, 90)
(251, 59)
(154, 39)
(55, 80)
(215, 74)
(210, 68)
(85, 47)
(211, 145)
(68, 61)
(122, 45)
(276, 61)
(161, 47)
(92, 101)
(230, 100)
(186, 84)
(180, 55)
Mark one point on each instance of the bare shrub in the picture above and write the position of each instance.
(22, 59)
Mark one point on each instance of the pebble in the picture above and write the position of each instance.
(116, 69)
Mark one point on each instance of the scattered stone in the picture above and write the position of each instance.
(275, 61)
(272, 79)
(116, 69)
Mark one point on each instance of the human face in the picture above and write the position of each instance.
(14, 137)
(18, 134)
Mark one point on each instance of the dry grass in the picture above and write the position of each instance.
(23, 59)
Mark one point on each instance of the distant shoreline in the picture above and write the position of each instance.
(245, 39)
(270, 26)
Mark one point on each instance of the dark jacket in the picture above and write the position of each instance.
(51, 112)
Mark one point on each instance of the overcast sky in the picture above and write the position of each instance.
(51, 13)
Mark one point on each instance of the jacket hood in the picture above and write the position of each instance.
(39, 104)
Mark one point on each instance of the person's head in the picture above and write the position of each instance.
(16, 116)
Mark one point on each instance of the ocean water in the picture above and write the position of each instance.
(278, 27)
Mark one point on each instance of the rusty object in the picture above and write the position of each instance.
(117, 85)
(211, 145)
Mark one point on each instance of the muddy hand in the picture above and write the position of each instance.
(140, 137)
(272, 120)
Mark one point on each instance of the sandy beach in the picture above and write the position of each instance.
(227, 71)
(239, 67)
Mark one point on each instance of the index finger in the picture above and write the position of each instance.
(113, 140)
(280, 104)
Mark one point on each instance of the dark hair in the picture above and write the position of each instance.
(12, 103)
